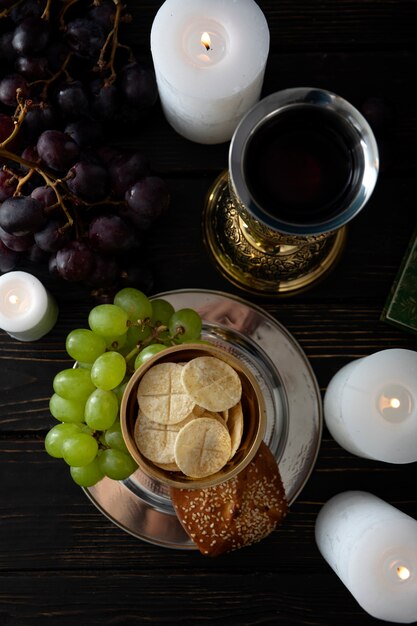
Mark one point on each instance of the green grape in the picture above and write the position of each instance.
(116, 464)
(66, 410)
(84, 345)
(108, 320)
(185, 325)
(148, 352)
(134, 302)
(134, 336)
(101, 409)
(162, 310)
(56, 436)
(108, 370)
(87, 475)
(114, 439)
(119, 390)
(79, 449)
(85, 366)
(115, 343)
(73, 384)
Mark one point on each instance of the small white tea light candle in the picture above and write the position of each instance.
(27, 310)
(370, 406)
(209, 59)
(372, 547)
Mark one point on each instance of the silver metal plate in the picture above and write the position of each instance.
(140, 505)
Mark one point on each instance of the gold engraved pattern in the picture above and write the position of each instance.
(258, 259)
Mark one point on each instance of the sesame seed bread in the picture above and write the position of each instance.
(236, 513)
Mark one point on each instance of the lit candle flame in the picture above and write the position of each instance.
(14, 299)
(403, 573)
(392, 404)
(206, 41)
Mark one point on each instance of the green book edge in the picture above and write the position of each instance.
(401, 306)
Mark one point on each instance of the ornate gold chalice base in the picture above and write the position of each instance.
(268, 263)
(294, 142)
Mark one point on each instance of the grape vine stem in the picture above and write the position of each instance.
(7, 11)
(155, 335)
(34, 167)
(47, 10)
(49, 81)
(112, 37)
(18, 118)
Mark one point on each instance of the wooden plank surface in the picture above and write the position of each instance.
(61, 561)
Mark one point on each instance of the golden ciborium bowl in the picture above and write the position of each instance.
(302, 163)
(253, 407)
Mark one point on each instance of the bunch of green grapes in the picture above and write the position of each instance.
(86, 400)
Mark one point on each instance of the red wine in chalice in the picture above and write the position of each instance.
(302, 165)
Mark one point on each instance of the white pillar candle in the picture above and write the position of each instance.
(27, 310)
(209, 58)
(370, 406)
(372, 547)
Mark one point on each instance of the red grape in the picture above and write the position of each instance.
(21, 215)
(125, 169)
(45, 195)
(9, 87)
(31, 35)
(72, 100)
(7, 185)
(85, 132)
(32, 68)
(18, 243)
(75, 261)
(89, 181)
(8, 258)
(110, 233)
(53, 236)
(85, 38)
(146, 201)
(139, 85)
(57, 150)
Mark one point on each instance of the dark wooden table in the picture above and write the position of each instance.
(61, 561)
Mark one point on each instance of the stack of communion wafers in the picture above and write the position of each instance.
(190, 416)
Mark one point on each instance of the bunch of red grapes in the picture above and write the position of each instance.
(67, 197)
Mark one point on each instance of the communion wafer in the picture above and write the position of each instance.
(156, 441)
(161, 394)
(235, 426)
(168, 467)
(225, 415)
(202, 447)
(211, 383)
(212, 415)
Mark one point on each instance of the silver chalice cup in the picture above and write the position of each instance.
(303, 162)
